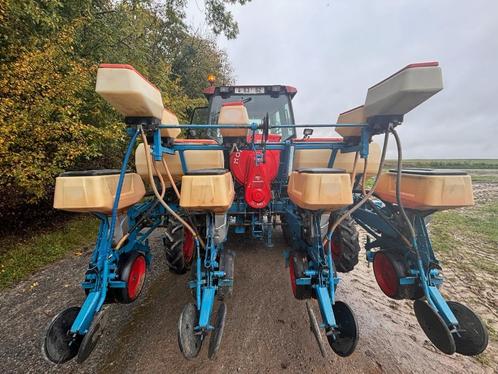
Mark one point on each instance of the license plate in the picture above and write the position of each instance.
(249, 90)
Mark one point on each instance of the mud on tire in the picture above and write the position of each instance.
(345, 244)
(178, 247)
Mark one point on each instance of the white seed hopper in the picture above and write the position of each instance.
(128, 91)
(395, 95)
(404, 90)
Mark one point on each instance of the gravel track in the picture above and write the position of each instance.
(267, 330)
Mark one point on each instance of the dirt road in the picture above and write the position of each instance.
(266, 329)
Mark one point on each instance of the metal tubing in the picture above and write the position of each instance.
(442, 307)
(258, 127)
(325, 304)
(207, 307)
(85, 316)
(199, 276)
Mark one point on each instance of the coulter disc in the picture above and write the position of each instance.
(345, 337)
(434, 327)
(59, 345)
(472, 336)
(189, 340)
(217, 333)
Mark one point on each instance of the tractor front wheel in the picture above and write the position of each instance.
(345, 244)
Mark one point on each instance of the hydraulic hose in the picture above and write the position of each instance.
(367, 195)
(170, 177)
(353, 172)
(156, 192)
(173, 184)
(123, 239)
(398, 189)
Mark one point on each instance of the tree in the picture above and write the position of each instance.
(50, 117)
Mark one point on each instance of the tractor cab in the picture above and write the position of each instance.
(260, 101)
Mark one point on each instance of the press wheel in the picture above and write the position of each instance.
(132, 271)
(434, 327)
(315, 328)
(472, 335)
(344, 338)
(189, 340)
(92, 337)
(60, 345)
(217, 333)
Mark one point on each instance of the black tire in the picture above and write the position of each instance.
(174, 240)
(297, 267)
(286, 230)
(388, 268)
(345, 244)
(134, 278)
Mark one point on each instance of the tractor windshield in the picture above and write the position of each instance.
(278, 108)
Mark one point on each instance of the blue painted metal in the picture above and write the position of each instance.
(157, 148)
(254, 126)
(333, 155)
(442, 307)
(420, 257)
(384, 228)
(325, 303)
(208, 295)
(181, 153)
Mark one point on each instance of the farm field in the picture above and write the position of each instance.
(481, 170)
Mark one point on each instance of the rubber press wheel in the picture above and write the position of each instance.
(179, 247)
(389, 268)
(434, 327)
(59, 345)
(92, 337)
(345, 244)
(189, 340)
(472, 336)
(344, 339)
(217, 333)
(132, 271)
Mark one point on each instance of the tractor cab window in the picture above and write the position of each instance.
(278, 109)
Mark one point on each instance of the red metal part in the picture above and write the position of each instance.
(292, 277)
(137, 277)
(385, 274)
(256, 177)
(188, 246)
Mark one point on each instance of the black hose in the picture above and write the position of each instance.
(398, 194)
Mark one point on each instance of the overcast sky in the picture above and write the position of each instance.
(332, 51)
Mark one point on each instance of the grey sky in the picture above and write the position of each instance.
(332, 51)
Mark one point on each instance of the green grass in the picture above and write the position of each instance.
(452, 228)
(484, 178)
(447, 163)
(21, 257)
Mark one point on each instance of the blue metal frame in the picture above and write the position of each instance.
(377, 220)
(104, 260)
(208, 277)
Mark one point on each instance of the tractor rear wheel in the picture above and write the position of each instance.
(286, 231)
(178, 247)
(345, 244)
(297, 267)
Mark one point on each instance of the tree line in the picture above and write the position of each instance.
(51, 120)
